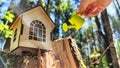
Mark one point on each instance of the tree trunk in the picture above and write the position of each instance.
(44, 59)
(109, 42)
(67, 52)
(118, 4)
(117, 9)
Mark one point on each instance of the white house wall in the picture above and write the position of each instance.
(14, 44)
(28, 17)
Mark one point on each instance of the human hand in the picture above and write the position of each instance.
(90, 8)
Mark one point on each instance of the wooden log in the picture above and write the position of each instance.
(67, 52)
(43, 60)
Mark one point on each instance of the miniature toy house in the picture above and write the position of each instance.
(32, 29)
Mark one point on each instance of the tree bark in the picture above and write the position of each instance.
(67, 51)
(117, 9)
(108, 38)
(43, 60)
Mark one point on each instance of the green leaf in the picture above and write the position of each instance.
(8, 33)
(94, 55)
(81, 43)
(10, 20)
(8, 16)
(11, 15)
(63, 6)
(1, 26)
(7, 12)
(5, 17)
(6, 26)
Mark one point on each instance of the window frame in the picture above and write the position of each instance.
(37, 31)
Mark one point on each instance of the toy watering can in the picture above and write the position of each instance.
(76, 22)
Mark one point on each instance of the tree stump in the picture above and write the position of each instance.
(43, 60)
(68, 53)
(65, 54)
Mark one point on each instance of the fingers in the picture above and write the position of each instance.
(83, 5)
(81, 8)
(92, 10)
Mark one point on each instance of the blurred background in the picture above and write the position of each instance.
(93, 39)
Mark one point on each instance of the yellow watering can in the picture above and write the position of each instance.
(76, 22)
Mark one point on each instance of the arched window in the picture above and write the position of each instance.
(37, 31)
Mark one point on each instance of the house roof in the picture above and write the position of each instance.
(34, 8)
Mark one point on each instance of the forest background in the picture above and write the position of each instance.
(98, 39)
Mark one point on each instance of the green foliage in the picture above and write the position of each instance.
(104, 62)
(8, 16)
(9, 59)
(95, 55)
(61, 10)
(63, 6)
(4, 28)
(8, 33)
(87, 37)
(1, 26)
(118, 48)
(116, 24)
